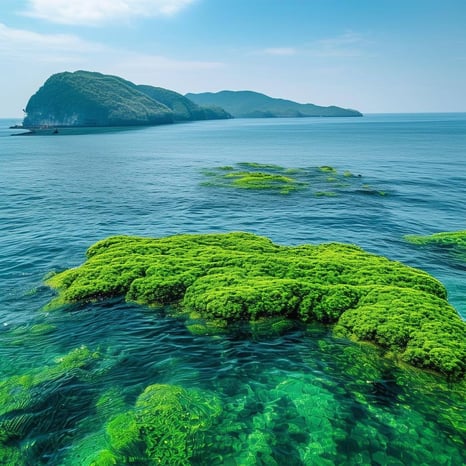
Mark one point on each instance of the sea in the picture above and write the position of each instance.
(303, 397)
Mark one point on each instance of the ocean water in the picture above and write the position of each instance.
(300, 398)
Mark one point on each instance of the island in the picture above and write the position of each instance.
(90, 99)
(217, 280)
(249, 104)
(85, 99)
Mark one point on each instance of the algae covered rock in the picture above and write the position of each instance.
(25, 397)
(166, 425)
(245, 277)
(453, 242)
(317, 181)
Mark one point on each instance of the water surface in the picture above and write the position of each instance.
(298, 398)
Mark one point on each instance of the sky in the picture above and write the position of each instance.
(376, 56)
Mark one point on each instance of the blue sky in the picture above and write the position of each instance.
(373, 55)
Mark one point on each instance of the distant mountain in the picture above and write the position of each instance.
(249, 104)
(86, 98)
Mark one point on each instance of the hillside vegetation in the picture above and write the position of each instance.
(249, 104)
(86, 98)
(183, 108)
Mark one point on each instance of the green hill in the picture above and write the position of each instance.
(183, 108)
(86, 98)
(249, 104)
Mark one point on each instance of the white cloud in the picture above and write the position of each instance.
(93, 12)
(349, 44)
(21, 44)
(36, 55)
(281, 51)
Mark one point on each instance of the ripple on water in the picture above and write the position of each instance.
(300, 398)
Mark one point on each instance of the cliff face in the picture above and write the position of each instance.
(249, 104)
(84, 98)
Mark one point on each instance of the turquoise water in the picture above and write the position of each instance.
(302, 397)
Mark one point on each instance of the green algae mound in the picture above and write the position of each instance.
(451, 242)
(318, 181)
(25, 397)
(166, 425)
(261, 180)
(239, 276)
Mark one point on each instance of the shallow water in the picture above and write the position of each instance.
(298, 398)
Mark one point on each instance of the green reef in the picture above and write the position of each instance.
(25, 397)
(453, 243)
(236, 277)
(319, 181)
(166, 424)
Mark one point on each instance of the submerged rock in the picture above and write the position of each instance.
(166, 425)
(453, 242)
(319, 181)
(243, 277)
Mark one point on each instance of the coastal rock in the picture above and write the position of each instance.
(243, 277)
(452, 243)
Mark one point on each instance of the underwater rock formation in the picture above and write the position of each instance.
(165, 426)
(319, 181)
(244, 277)
(453, 242)
(27, 396)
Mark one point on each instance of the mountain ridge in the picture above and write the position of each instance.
(251, 104)
(91, 99)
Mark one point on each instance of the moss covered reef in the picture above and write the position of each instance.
(319, 181)
(453, 242)
(261, 180)
(166, 426)
(243, 277)
(26, 397)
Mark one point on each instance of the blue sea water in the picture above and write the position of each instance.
(59, 194)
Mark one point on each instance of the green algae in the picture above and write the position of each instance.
(267, 181)
(326, 194)
(25, 334)
(166, 426)
(243, 277)
(327, 169)
(20, 391)
(23, 396)
(272, 178)
(453, 243)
